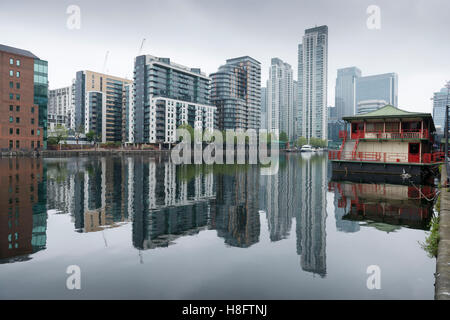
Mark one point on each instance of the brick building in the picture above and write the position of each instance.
(23, 100)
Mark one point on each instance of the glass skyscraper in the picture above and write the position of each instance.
(378, 87)
(345, 91)
(236, 92)
(440, 100)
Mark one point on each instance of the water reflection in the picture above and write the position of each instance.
(23, 218)
(163, 202)
(387, 207)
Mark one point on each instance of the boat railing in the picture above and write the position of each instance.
(387, 157)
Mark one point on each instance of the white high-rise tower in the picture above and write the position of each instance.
(312, 82)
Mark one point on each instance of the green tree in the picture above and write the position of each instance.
(90, 136)
(283, 136)
(301, 142)
(59, 134)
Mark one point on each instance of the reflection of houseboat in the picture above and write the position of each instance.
(387, 204)
(388, 141)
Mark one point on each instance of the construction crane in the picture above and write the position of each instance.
(104, 63)
(142, 45)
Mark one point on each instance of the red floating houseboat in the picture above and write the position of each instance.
(388, 141)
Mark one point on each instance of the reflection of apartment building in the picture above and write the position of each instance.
(23, 219)
(236, 207)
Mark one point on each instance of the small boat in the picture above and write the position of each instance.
(307, 148)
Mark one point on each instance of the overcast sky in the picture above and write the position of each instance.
(413, 40)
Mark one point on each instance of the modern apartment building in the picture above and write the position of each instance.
(104, 115)
(280, 98)
(23, 100)
(236, 92)
(264, 108)
(345, 91)
(59, 107)
(165, 96)
(440, 100)
(312, 87)
(378, 87)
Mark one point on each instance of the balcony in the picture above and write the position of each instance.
(404, 134)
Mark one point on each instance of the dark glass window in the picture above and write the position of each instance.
(17, 120)
(11, 84)
(11, 107)
(17, 131)
(11, 131)
(32, 109)
(18, 85)
(17, 108)
(17, 144)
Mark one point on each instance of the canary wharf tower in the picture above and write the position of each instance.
(312, 82)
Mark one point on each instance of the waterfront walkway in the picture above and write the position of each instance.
(443, 259)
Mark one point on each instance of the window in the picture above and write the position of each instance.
(18, 85)
(17, 97)
(11, 131)
(11, 73)
(18, 131)
(11, 84)
(11, 119)
(11, 107)
(17, 144)
(38, 132)
(32, 132)
(17, 120)
(11, 61)
(18, 74)
(32, 109)
(11, 96)
(32, 120)
(18, 62)
(17, 108)
(11, 144)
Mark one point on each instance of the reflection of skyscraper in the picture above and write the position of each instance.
(281, 199)
(236, 214)
(23, 220)
(311, 234)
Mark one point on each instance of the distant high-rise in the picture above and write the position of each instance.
(59, 107)
(236, 92)
(378, 87)
(264, 108)
(367, 106)
(280, 98)
(439, 103)
(345, 91)
(312, 78)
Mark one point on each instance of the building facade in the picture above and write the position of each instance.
(366, 106)
(264, 108)
(378, 87)
(165, 96)
(23, 100)
(236, 92)
(312, 86)
(59, 107)
(440, 100)
(345, 91)
(280, 98)
(88, 84)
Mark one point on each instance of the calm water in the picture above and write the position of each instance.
(141, 227)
